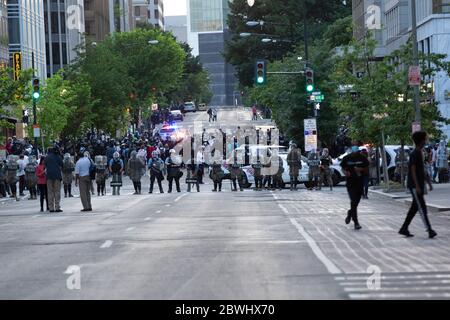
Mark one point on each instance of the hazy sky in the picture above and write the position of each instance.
(174, 7)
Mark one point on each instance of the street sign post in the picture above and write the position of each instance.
(414, 76)
(310, 126)
(36, 131)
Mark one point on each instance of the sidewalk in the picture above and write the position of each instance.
(437, 200)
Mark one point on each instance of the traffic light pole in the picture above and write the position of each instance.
(34, 112)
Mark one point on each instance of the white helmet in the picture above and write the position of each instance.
(116, 155)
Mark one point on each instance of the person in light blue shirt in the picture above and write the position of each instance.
(83, 179)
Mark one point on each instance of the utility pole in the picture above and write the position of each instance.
(418, 116)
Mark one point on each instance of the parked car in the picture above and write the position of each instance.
(189, 107)
(202, 107)
(176, 115)
(227, 176)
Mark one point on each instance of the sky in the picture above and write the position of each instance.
(174, 7)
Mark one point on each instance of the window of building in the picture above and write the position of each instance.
(137, 11)
(441, 6)
(54, 22)
(55, 53)
(156, 14)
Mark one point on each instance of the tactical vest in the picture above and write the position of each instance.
(116, 167)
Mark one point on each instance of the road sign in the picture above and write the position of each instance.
(310, 134)
(17, 64)
(414, 76)
(317, 96)
(36, 131)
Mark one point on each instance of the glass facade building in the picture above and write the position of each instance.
(26, 33)
(207, 34)
(4, 56)
(61, 38)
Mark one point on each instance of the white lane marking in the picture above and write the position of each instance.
(179, 197)
(399, 282)
(396, 277)
(167, 205)
(131, 228)
(35, 216)
(106, 244)
(159, 211)
(331, 267)
(425, 288)
(147, 219)
(427, 295)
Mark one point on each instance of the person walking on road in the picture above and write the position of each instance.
(416, 185)
(136, 168)
(254, 113)
(53, 167)
(23, 161)
(42, 184)
(83, 180)
(355, 165)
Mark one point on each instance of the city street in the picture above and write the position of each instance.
(245, 245)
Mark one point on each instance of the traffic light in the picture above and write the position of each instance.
(36, 89)
(309, 74)
(260, 76)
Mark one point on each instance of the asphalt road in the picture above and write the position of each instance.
(244, 245)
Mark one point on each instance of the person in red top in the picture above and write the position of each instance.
(255, 113)
(9, 146)
(42, 183)
(150, 150)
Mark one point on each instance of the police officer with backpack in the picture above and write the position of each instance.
(116, 169)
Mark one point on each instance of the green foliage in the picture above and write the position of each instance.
(13, 95)
(383, 99)
(194, 84)
(54, 107)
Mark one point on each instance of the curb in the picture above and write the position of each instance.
(431, 207)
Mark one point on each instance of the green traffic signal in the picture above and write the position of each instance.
(36, 95)
(36, 89)
(309, 88)
(260, 74)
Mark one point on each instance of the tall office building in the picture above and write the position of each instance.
(394, 30)
(141, 12)
(4, 55)
(178, 26)
(27, 34)
(64, 29)
(156, 13)
(207, 33)
(107, 16)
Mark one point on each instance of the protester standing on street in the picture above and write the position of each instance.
(31, 178)
(254, 113)
(325, 170)
(355, 165)
(83, 180)
(136, 169)
(23, 161)
(67, 173)
(42, 184)
(416, 185)
(53, 167)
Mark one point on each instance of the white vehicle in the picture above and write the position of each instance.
(190, 107)
(391, 153)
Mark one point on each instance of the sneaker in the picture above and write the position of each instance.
(405, 233)
(348, 219)
(58, 210)
(432, 234)
(357, 226)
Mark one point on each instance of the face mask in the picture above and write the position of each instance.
(355, 149)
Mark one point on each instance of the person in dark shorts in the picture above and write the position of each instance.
(416, 185)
